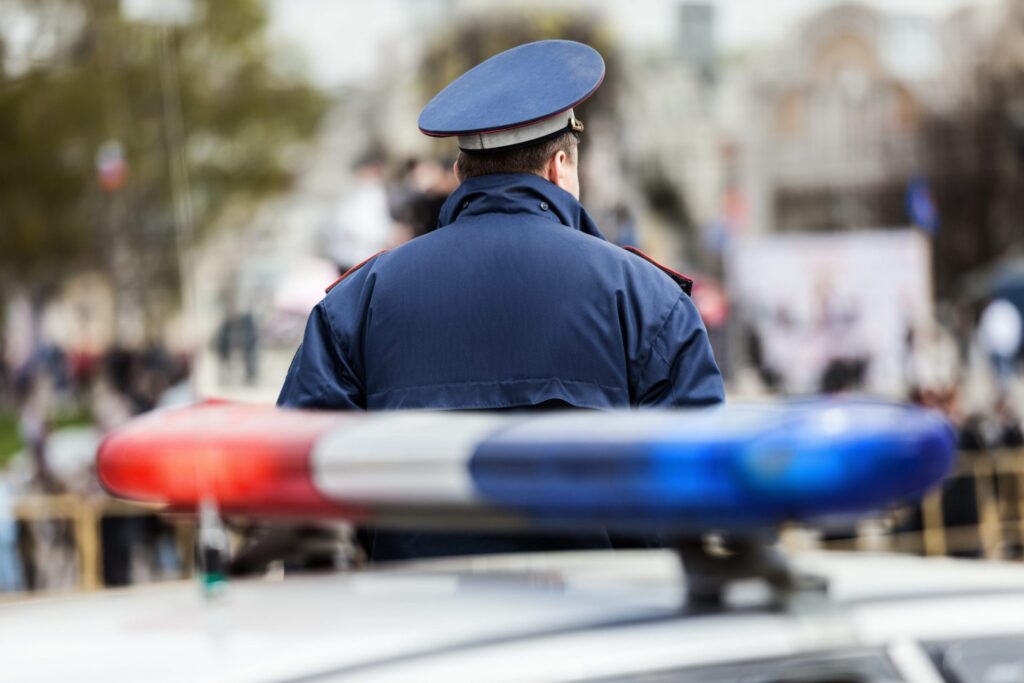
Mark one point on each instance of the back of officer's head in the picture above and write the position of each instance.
(536, 159)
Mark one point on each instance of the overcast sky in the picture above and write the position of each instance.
(342, 40)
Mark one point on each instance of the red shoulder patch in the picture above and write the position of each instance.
(352, 270)
(685, 283)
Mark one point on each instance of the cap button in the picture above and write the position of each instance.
(543, 206)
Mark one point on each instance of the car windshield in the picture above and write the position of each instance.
(993, 660)
(840, 667)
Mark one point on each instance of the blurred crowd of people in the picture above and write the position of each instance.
(383, 210)
(974, 379)
(969, 369)
(59, 405)
(60, 402)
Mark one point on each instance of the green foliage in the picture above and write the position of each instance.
(10, 437)
(98, 79)
(40, 184)
(10, 442)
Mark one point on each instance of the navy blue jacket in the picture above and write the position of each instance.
(515, 301)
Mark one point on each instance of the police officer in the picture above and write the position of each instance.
(516, 301)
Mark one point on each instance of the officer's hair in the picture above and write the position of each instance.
(527, 159)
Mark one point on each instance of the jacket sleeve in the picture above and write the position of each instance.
(321, 374)
(679, 369)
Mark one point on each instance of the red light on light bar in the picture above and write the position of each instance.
(249, 459)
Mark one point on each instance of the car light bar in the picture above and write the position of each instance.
(736, 466)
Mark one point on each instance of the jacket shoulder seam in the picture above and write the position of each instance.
(352, 270)
(685, 283)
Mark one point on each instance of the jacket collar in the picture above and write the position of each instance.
(516, 193)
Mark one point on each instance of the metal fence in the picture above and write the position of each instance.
(978, 512)
(81, 548)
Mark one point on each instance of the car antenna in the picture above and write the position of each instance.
(212, 541)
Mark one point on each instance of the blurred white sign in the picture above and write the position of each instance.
(816, 300)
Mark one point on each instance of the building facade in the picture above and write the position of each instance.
(831, 132)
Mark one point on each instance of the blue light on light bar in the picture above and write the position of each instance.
(726, 468)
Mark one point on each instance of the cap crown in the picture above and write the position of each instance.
(515, 88)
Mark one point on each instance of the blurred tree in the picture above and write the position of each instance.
(87, 79)
(975, 161)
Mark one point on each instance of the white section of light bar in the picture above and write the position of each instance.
(517, 136)
(402, 458)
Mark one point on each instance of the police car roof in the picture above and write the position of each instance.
(512, 618)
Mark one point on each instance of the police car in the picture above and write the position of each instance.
(721, 605)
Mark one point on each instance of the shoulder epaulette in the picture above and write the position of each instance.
(685, 283)
(352, 270)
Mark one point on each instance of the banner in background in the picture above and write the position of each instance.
(821, 308)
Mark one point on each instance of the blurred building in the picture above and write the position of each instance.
(671, 131)
(697, 38)
(834, 116)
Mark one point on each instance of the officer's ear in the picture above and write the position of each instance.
(555, 169)
(561, 170)
(455, 170)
